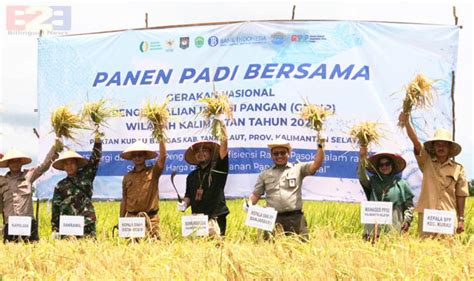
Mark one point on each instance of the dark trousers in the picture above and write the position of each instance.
(290, 223)
(222, 222)
(15, 238)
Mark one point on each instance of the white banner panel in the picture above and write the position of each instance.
(266, 68)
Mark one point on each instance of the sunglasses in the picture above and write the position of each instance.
(385, 164)
(138, 155)
(279, 153)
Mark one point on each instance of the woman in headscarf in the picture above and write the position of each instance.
(385, 184)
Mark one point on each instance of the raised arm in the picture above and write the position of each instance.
(361, 172)
(224, 142)
(319, 157)
(44, 166)
(405, 119)
(160, 163)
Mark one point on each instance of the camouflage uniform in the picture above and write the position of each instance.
(73, 195)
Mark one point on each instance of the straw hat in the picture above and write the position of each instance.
(279, 143)
(138, 147)
(443, 135)
(70, 154)
(14, 154)
(190, 154)
(397, 160)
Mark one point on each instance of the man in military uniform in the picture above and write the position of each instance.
(73, 194)
(16, 188)
(282, 186)
(140, 191)
(444, 185)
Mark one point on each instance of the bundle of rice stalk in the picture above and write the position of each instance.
(157, 115)
(366, 133)
(419, 94)
(216, 106)
(315, 114)
(64, 122)
(97, 114)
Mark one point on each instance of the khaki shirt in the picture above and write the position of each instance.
(16, 191)
(282, 186)
(442, 182)
(140, 190)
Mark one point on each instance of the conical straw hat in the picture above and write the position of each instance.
(136, 147)
(443, 135)
(190, 154)
(397, 160)
(70, 154)
(14, 154)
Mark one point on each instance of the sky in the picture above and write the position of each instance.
(18, 56)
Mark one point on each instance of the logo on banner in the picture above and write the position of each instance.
(307, 38)
(213, 41)
(146, 46)
(199, 41)
(29, 20)
(243, 39)
(184, 42)
(169, 45)
(278, 38)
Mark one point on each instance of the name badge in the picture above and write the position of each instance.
(261, 218)
(292, 182)
(131, 227)
(19, 225)
(436, 221)
(71, 225)
(375, 212)
(195, 224)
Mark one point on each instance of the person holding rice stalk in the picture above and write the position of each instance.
(444, 185)
(140, 186)
(16, 188)
(73, 194)
(385, 183)
(140, 192)
(282, 183)
(205, 185)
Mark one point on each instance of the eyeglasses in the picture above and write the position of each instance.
(279, 153)
(385, 164)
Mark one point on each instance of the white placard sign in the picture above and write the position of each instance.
(437, 221)
(194, 224)
(71, 225)
(131, 227)
(260, 217)
(19, 225)
(375, 212)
